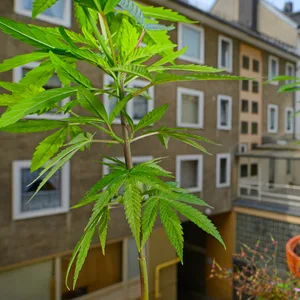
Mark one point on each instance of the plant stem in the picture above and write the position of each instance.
(128, 161)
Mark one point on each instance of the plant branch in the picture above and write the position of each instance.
(104, 19)
(105, 141)
(144, 136)
(140, 39)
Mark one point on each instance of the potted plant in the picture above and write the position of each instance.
(293, 255)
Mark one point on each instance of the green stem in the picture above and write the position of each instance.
(128, 161)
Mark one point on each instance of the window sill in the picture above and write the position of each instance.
(191, 59)
(38, 214)
(195, 126)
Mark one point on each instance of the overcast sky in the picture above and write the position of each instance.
(278, 3)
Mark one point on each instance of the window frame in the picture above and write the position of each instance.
(202, 43)
(218, 170)
(287, 110)
(129, 106)
(190, 92)
(253, 124)
(187, 157)
(270, 107)
(255, 83)
(222, 38)
(244, 122)
(245, 101)
(219, 125)
(65, 21)
(17, 76)
(276, 59)
(254, 103)
(258, 63)
(244, 56)
(240, 170)
(287, 65)
(251, 170)
(17, 167)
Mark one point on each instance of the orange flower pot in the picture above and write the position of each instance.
(293, 259)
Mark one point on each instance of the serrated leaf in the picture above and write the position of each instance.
(12, 86)
(29, 126)
(148, 218)
(164, 140)
(133, 10)
(35, 104)
(74, 131)
(129, 120)
(92, 103)
(191, 199)
(152, 117)
(198, 218)
(188, 68)
(81, 17)
(134, 70)
(168, 58)
(69, 72)
(30, 35)
(161, 13)
(47, 148)
(110, 6)
(103, 226)
(132, 204)
(172, 227)
(21, 60)
(40, 6)
(66, 37)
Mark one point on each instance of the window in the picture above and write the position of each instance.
(255, 65)
(189, 172)
(243, 171)
(246, 62)
(192, 37)
(289, 121)
(223, 170)
(243, 148)
(254, 128)
(254, 146)
(273, 68)
(289, 71)
(244, 127)
(54, 197)
(20, 72)
(255, 87)
(245, 85)
(288, 166)
(254, 107)
(272, 118)
(190, 108)
(136, 108)
(59, 13)
(225, 53)
(245, 105)
(224, 112)
(254, 169)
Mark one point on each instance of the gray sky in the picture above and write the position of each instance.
(278, 3)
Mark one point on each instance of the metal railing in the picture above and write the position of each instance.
(283, 194)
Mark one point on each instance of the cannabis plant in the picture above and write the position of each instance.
(120, 38)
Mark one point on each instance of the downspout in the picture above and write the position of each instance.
(158, 268)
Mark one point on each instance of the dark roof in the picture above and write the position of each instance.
(268, 40)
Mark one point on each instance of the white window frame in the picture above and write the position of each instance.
(199, 158)
(287, 66)
(270, 107)
(129, 107)
(218, 170)
(202, 46)
(191, 92)
(287, 110)
(66, 21)
(270, 76)
(18, 165)
(135, 159)
(219, 125)
(17, 76)
(222, 38)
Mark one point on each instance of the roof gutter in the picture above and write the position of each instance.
(224, 26)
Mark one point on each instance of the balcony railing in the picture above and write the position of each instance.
(272, 193)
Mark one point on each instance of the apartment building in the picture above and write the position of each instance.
(36, 240)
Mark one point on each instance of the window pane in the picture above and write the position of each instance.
(132, 260)
(254, 169)
(190, 109)
(273, 67)
(289, 120)
(255, 87)
(244, 171)
(225, 54)
(246, 62)
(255, 65)
(189, 174)
(191, 38)
(254, 146)
(223, 170)
(56, 10)
(245, 106)
(224, 112)
(254, 107)
(254, 128)
(245, 85)
(288, 166)
(140, 107)
(272, 118)
(28, 283)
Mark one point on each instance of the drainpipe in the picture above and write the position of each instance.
(158, 268)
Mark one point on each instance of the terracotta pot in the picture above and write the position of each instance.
(293, 260)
